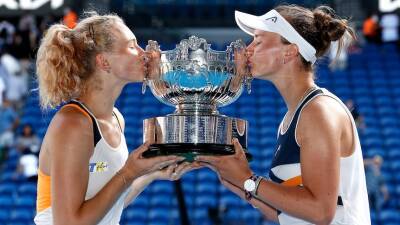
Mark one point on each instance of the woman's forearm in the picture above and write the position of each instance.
(296, 201)
(92, 210)
(269, 212)
(137, 186)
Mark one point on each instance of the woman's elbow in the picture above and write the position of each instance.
(67, 220)
(325, 216)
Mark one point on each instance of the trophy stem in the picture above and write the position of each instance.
(196, 108)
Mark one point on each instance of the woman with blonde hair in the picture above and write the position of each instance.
(85, 173)
(317, 174)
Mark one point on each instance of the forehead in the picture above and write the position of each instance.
(266, 35)
(123, 32)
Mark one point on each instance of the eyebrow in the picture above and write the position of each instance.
(132, 40)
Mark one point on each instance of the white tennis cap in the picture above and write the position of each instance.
(272, 21)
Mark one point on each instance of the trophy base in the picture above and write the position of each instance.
(190, 151)
(194, 134)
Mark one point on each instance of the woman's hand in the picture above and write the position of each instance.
(136, 165)
(232, 168)
(175, 171)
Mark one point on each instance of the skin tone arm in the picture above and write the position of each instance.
(320, 153)
(70, 174)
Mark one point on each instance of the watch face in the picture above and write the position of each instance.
(249, 185)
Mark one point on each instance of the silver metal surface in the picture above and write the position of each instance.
(212, 129)
(196, 80)
(193, 74)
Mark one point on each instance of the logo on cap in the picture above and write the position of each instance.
(273, 19)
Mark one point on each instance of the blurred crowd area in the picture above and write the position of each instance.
(19, 41)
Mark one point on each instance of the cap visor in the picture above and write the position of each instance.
(248, 23)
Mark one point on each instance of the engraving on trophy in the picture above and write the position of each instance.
(196, 80)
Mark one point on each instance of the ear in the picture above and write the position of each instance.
(102, 63)
(291, 52)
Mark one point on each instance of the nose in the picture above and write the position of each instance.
(250, 49)
(141, 51)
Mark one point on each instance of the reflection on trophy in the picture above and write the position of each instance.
(196, 80)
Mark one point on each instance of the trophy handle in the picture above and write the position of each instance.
(152, 60)
(240, 58)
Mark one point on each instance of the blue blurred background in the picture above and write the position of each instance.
(366, 77)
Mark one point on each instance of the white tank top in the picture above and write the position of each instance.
(103, 165)
(354, 209)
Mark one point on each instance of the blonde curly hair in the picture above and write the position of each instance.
(66, 57)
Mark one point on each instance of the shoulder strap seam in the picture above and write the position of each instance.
(119, 123)
(80, 110)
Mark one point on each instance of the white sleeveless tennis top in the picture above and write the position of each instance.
(103, 165)
(352, 207)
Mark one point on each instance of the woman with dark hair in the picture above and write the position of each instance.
(317, 174)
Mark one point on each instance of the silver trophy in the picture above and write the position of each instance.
(196, 80)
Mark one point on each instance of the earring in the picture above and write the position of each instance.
(284, 61)
(144, 85)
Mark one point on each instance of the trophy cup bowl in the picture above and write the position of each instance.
(196, 80)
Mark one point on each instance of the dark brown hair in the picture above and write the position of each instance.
(319, 26)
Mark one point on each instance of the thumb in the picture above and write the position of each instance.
(144, 147)
(238, 148)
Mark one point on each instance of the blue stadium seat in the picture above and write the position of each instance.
(206, 174)
(27, 189)
(133, 213)
(206, 200)
(27, 201)
(7, 188)
(22, 215)
(162, 187)
(162, 200)
(206, 187)
(390, 216)
(4, 215)
(231, 200)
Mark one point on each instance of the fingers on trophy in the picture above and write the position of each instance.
(196, 80)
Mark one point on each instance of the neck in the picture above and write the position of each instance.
(101, 100)
(293, 87)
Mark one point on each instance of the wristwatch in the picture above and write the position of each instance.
(250, 186)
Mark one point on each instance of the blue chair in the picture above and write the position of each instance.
(7, 188)
(230, 200)
(22, 215)
(391, 216)
(25, 201)
(164, 200)
(162, 187)
(206, 175)
(141, 201)
(138, 222)
(160, 213)
(27, 189)
(4, 215)
(6, 201)
(135, 214)
(206, 200)
(206, 188)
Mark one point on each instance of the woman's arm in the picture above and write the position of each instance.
(269, 212)
(70, 143)
(319, 134)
